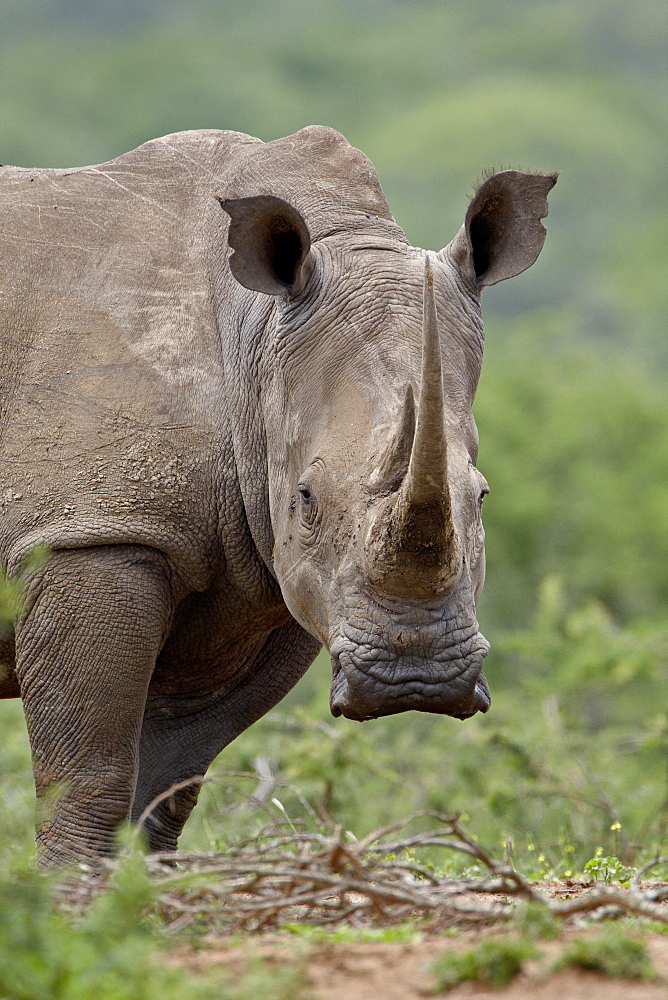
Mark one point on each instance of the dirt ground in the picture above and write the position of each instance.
(360, 970)
(387, 971)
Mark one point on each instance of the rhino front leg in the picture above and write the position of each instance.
(178, 747)
(86, 646)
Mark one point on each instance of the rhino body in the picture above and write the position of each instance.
(234, 458)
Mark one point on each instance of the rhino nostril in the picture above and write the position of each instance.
(483, 700)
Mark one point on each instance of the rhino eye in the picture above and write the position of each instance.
(309, 504)
(483, 494)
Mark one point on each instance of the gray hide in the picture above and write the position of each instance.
(234, 459)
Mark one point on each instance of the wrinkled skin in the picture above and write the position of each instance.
(389, 652)
(234, 459)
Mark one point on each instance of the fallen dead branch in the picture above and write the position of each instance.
(288, 875)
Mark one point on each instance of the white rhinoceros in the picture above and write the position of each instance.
(234, 458)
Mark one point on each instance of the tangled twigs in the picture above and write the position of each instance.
(287, 875)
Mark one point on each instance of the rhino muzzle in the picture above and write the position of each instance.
(368, 682)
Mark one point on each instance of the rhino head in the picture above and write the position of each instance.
(375, 349)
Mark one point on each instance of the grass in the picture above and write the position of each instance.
(407, 933)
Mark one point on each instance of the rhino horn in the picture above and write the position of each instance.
(413, 547)
(427, 477)
(392, 467)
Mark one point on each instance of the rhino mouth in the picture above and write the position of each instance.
(367, 686)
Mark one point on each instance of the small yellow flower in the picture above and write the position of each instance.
(616, 826)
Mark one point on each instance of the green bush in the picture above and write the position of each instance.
(495, 962)
(115, 950)
(612, 952)
(567, 437)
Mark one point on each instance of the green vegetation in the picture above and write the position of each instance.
(495, 962)
(603, 869)
(573, 442)
(114, 951)
(10, 592)
(345, 934)
(611, 952)
(536, 923)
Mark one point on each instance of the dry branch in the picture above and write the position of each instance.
(286, 875)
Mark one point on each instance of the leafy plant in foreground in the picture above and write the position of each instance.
(115, 951)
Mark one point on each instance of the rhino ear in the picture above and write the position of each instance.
(502, 234)
(270, 243)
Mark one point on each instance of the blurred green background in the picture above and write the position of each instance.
(572, 406)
